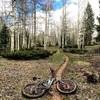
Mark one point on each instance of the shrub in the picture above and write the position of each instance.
(71, 46)
(75, 50)
(27, 54)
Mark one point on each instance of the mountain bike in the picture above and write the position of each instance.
(36, 90)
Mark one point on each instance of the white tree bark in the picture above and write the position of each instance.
(12, 41)
(46, 30)
(18, 41)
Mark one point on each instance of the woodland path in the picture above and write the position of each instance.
(58, 75)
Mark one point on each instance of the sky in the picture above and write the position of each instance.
(72, 8)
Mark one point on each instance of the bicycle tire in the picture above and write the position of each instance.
(27, 91)
(67, 91)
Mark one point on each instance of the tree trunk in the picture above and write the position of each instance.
(34, 11)
(12, 41)
(46, 30)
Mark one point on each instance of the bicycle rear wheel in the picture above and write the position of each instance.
(33, 90)
(66, 86)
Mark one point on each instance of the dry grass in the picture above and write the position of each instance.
(14, 75)
(85, 90)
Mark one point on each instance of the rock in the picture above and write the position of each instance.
(92, 77)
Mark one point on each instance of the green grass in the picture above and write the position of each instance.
(57, 58)
(72, 58)
(92, 47)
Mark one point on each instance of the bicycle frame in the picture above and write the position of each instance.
(45, 85)
(49, 82)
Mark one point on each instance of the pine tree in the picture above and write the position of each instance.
(4, 37)
(88, 25)
(98, 30)
(98, 27)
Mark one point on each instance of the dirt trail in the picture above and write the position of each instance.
(59, 72)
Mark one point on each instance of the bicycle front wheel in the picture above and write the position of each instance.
(33, 91)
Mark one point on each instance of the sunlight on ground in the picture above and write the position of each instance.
(81, 63)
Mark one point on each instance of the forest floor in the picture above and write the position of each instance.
(14, 75)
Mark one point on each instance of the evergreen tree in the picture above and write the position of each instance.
(88, 25)
(98, 27)
(98, 30)
(4, 38)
